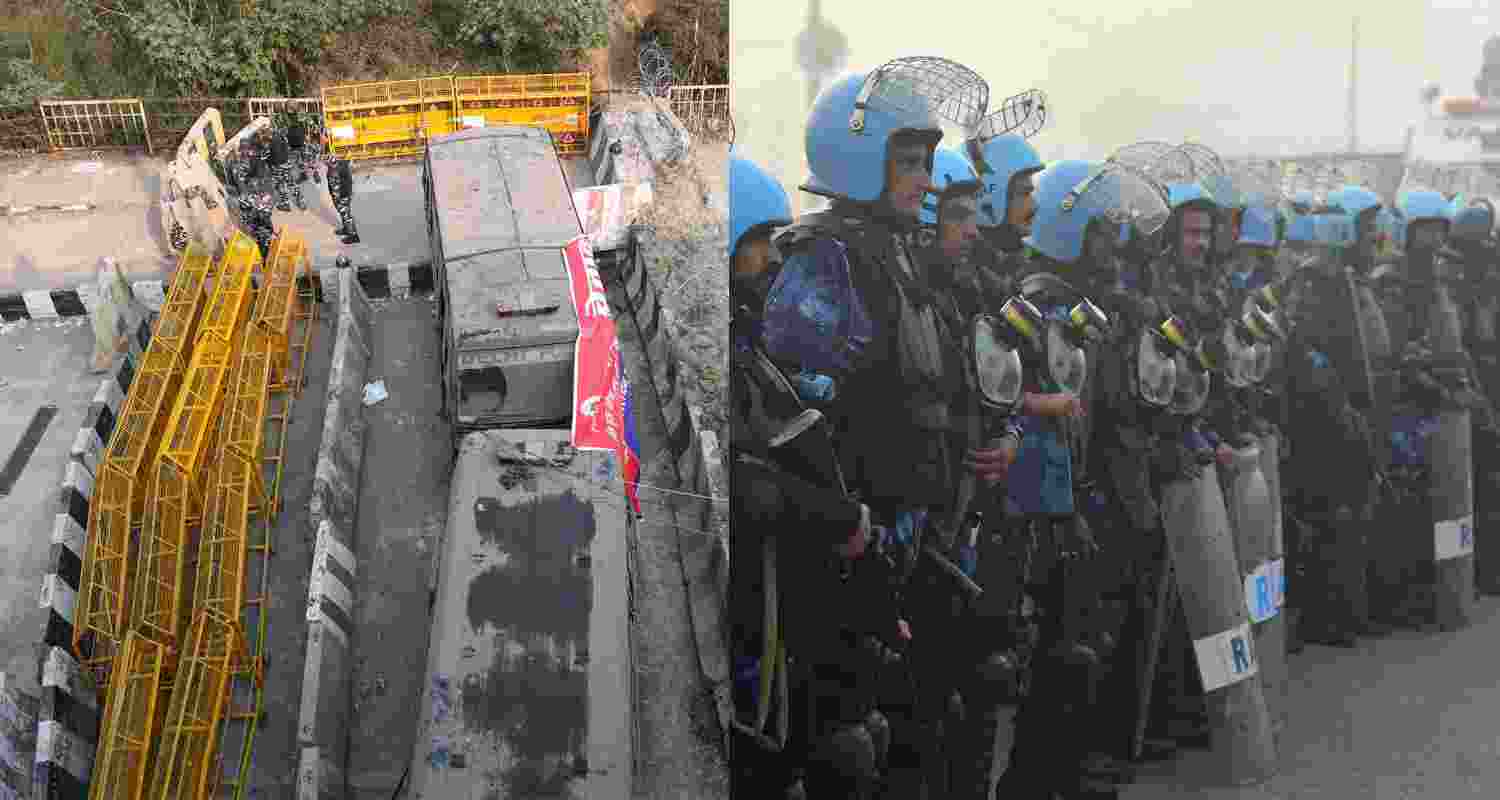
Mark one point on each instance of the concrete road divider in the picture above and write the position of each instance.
(323, 720)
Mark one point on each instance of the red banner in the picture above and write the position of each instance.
(598, 397)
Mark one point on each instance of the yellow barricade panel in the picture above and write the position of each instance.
(393, 119)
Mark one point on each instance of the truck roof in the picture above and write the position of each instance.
(532, 283)
(500, 188)
(528, 667)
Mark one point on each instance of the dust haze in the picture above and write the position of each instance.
(1270, 78)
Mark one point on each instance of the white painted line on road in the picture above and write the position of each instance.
(87, 449)
(152, 293)
(76, 207)
(76, 477)
(57, 745)
(39, 304)
(62, 671)
(15, 210)
(67, 532)
(58, 595)
(329, 544)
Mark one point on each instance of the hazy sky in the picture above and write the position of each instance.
(1268, 78)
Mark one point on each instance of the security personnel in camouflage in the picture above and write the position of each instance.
(302, 155)
(243, 171)
(262, 206)
(341, 189)
(281, 159)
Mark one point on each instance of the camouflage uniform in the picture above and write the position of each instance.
(242, 169)
(304, 151)
(341, 188)
(282, 163)
(179, 237)
(261, 229)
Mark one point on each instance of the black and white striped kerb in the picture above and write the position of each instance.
(67, 729)
(103, 413)
(45, 304)
(401, 279)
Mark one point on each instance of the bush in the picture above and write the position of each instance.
(529, 35)
(26, 84)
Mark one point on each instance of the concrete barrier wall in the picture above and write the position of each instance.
(689, 463)
(323, 719)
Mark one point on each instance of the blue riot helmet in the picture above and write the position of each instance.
(1071, 194)
(757, 201)
(1301, 229)
(1258, 227)
(948, 167)
(1423, 204)
(1335, 230)
(854, 119)
(1354, 202)
(1472, 224)
(999, 161)
(1458, 204)
(1303, 201)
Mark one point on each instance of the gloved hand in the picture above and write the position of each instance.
(1172, 461)
(859, 539)
(992, 463)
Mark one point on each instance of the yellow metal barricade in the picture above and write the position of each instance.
(390, 119)
(558, 102)
(394, 119)
(131, 724)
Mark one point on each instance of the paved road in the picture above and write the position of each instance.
(60, 249)
(403, 508)
(40, 362)
(1408, 716)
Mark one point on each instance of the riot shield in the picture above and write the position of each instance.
(1486, 445)
(1450, 474)
(1213, 601)
(1253, 510)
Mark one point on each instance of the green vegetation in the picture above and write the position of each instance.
(226, 48)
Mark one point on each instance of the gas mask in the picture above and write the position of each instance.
(1191, 367)
(996, 360)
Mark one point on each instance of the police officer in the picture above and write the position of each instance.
(282, 159)
(246, 170)
(1059, 489)
(341, 189)
(966, 676)
(262, 205)
(297, 142)
(1473, 249)
(1007, 166)
(1184, 285)
(789, 520)
(851, 302)
(1330, 477)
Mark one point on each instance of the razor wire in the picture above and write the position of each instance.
(654, 68)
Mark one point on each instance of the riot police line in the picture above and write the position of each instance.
(1097, 441)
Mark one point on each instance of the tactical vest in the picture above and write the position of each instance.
(895, 415)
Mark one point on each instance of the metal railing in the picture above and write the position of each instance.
(703, 109)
